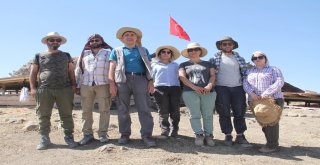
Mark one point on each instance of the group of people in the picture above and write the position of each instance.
(103, 72)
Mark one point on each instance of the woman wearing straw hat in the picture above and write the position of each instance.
(167, 89)
(263, 82)
(198, 78)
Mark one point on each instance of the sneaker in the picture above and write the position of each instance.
(163, 136)
(209, 140)
(199, 141)
(124, 139)
(44, 142)
(228, 140)
(241, 139)
(266, 149)
(103, 139)
(86, 139)
(70, 141)
(149, 142)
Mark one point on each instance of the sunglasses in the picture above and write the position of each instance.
(227, 44)
(95, 40)
(255, 58)
(54, 40)
(165, 52)
(194, 49)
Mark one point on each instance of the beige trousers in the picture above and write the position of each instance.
(88, 95)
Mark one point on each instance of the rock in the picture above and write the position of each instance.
(30, 126)
(15, 120)
(314, 116)
(123, 148)
(302, 115)
(291, 114)
(107, 147)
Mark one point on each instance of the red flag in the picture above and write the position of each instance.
(177, 30)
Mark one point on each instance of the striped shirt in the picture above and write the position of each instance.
(95, 68)
(266, 81)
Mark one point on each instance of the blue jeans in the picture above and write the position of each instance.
(200, 106)
(231, 98)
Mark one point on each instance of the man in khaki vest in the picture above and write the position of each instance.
(130, 73)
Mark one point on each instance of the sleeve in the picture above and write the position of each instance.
(148, 54)
(278, 83)
(35, 60)
(246, 85)
(69, 57)
(113, 55)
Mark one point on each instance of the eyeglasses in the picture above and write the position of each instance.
(227, 44)
(255, 58)
(54, 40)
(95, 40)
(194, 49)
(166, 52)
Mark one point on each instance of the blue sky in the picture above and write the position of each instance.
(287, 31)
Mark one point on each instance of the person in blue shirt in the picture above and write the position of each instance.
(130, 73)
(165, 73)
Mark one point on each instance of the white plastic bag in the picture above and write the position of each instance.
(24, 95)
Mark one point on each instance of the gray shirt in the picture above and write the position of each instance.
(229, 72)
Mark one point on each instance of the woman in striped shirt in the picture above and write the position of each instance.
(264, 81)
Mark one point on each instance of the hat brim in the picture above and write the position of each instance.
(204, 51)
(122, 30)
(175, 51)
(44, 40)
(218, 43)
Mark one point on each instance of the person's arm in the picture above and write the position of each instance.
(277, 85)
(113, 86)
(212, 80)
(78, 76)
(185, 81)
(33, 79)
(72, 76)
(249, 89)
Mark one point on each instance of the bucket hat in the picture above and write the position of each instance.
(44, 40)
(193, 45)
(227, 38)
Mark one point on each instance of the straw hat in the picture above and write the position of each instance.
(175, 51)
(266, 111)
(227, 38)
(122, 30)
(193, 45)
(44, 40)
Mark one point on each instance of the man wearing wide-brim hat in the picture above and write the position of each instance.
(230, 71)
(130, 73)
(56, 85)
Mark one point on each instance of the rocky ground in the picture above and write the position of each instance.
(299, 140)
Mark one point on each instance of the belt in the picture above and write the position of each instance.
(136, 73)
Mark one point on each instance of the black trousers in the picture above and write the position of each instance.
(168, 104)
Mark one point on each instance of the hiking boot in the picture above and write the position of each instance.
(70, 141)
(86, 139)
(174, 134)
(149, 142)
(103, 139)
(124, 139)
(44, 142)
(241, 139)
(266, 149)
(209, 140)
(228, 140)
(199, 141)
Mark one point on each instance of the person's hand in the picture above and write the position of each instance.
(113, 89)
(33, 92)
(255, 97)
(207, 89)
(150, 87)
(199, 90)
(77, 91)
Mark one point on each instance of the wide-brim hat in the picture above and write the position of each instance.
(266, 111)
(122, 30)
(227, 38)
(175, 51)
(193, 45)
(44, 40)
